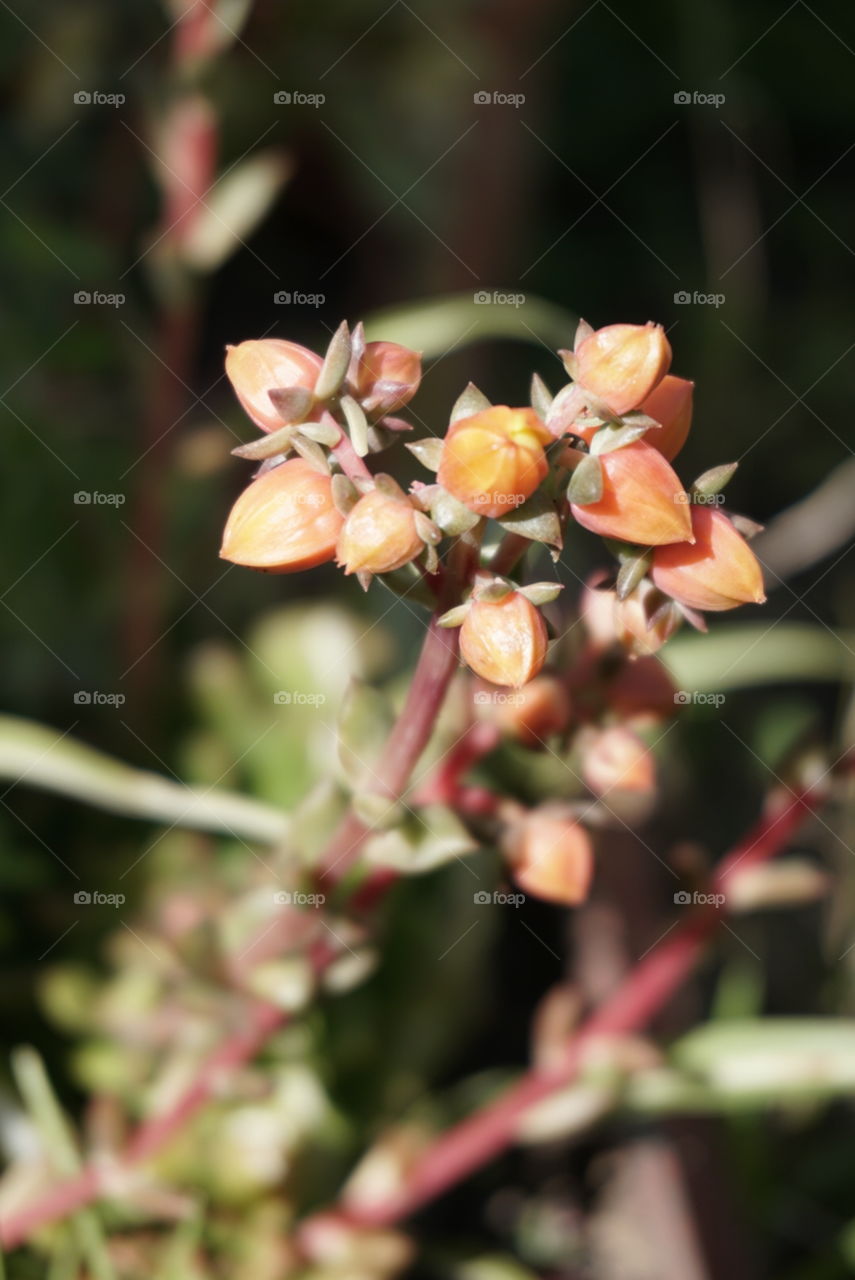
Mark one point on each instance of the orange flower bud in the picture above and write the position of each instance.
(597, 611)
(632, 620)
(531, 714)
(388, 376)
(283, 521)
(504, 641)
(379, 534)
(494, 460)
(720, 571)
(643, 499)
(256, 368)
(670, 404)
(622, 363)
(617, 759)
(552, 856)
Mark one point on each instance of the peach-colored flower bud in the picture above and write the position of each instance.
(642, 692)
(597, 611)
(379, 534)
(640, 625)
(552, 856)
(531, 714)
(504, 641)
(643, 500)
(622, 363)
(494, 460)
(256, 368)
(388, 376)
(720, 571)
(617, 759)
(283, 521)
(670, 404)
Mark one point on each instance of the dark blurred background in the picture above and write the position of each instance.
(688, 163)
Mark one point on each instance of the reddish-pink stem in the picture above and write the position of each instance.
(486, 1134)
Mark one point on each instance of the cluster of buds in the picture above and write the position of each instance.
(599, 452)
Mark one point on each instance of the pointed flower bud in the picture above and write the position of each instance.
(283, 521)
(380, 533)
(719, 572)
(552, 856)
(256, 368)
(671, 405)
(643, 500)
(495, 459)
(387, 376)
(531, 714)
(622, 363)
(618, 760)
(504, 641)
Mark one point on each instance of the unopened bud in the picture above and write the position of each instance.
(283, 521)
(671, 405)
(495, 459)
(387, 376)
(720, 571)
(530, 716)
(504, 641)
(617, 760)
(622, 363)
(380, 533)
(256, 368)
(552, 856)
(642, 500)
(645, 619)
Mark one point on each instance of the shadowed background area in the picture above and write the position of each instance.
(469, 178)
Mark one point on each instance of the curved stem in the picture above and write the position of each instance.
(488, 1132)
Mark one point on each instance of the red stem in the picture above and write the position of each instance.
(486, 1134)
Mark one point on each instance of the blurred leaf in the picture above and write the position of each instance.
(39, 756)
(440, 325)
(732, 657)
(233, 209)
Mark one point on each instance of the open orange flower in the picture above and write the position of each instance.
(495, 459)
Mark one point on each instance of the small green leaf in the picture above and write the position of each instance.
(267, 446)
(540, 396)
(453, 517)
(469, 402)
(428, 451)
(454, 617)
(610, 437)
(325, 433)
(633, 569)
(364, 722)
(424, 842)
(542, 592)
(535, 519)
(311, 453)
(336, 364)
(291, 403)
(714, 480)
(586, 483)
(357, 424)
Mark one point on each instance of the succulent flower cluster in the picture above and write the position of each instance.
(597, 454)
